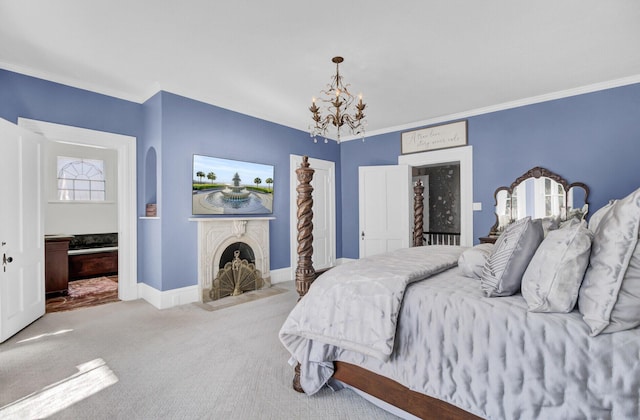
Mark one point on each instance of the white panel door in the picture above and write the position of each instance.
(384, 197)
(323, 246)
(22, 296)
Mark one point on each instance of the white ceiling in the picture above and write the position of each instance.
(414, 61)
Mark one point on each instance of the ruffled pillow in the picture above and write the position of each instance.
(554, 275)
(472, 261)
(502, 274)
(614, 245)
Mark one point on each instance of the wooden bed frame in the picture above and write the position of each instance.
(383, 388)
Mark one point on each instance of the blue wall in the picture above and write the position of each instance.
(191, 127)
(176, 127)
(592, 138)
(28, 97)
(150, 177)
(378, 150)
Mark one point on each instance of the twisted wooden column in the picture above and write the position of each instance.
(418, 214)
(305, 274)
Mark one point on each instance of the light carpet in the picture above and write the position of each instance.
(138, 362)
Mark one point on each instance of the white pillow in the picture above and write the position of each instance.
(554, 275)
(502, 274)
(472, 261)
(614, 243)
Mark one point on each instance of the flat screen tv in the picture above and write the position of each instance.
(225, 186)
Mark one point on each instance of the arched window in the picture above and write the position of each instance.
(80, 179)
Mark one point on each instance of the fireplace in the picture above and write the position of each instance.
(218, 241)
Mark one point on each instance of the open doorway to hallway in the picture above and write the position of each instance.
(441, 202)
(464, 157)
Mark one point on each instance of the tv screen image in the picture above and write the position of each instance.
(225, 186)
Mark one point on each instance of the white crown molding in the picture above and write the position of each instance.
(79, 84)
(503, 106)
(155, 88)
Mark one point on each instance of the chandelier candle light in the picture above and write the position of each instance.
(338, 102)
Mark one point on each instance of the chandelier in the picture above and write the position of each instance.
(337, 103)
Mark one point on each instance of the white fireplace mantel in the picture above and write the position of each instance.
(216, 234)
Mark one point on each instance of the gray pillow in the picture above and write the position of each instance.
(549, 224)
(502, 274)
(614, 243)
(626, 312)
(554, 275)
(597, 217)
(472, 261)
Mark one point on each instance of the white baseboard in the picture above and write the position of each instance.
(168, 298)
(281, 275)
(189, 294)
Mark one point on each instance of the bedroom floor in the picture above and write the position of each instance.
(85, 293)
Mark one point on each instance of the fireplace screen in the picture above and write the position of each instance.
(246, 253)
(237, 272)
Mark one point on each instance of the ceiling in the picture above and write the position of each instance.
(415, 62)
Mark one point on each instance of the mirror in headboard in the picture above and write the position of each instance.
(539, 193)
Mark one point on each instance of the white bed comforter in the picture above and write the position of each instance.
(492, 357)
(355, 307)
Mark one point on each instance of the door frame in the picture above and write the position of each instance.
(294, 163)
(463, 155)
(125, 147)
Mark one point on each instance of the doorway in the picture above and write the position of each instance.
(441, 202)
(124, 148)
(464, 157)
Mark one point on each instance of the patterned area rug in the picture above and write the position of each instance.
(83, 293)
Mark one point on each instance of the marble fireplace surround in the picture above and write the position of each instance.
(216, 234)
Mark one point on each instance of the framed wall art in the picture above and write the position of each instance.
(433, 138)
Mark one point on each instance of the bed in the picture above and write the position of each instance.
(490, 331)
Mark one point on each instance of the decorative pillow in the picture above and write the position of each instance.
(597, 217)
(569, 222)
(502, 274)
(578, 213)
(473, 259)
(549, 224)
(554, 275)
(614, 243)
(626, 312)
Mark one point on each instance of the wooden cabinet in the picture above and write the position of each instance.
(56, 264)
(93, 264)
